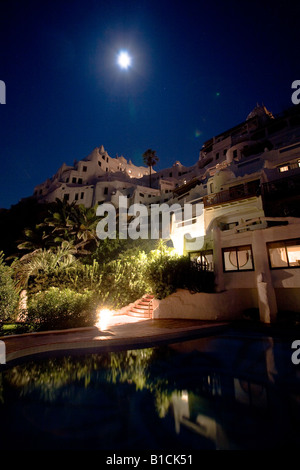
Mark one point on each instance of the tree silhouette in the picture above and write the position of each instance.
(150, 159)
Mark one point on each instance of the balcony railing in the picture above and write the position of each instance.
(242, 191)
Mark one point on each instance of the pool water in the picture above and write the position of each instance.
(231, 391)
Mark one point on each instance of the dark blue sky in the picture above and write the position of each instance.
(199, 67)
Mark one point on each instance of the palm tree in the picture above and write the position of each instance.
(73, 223)
(44, 260)
(150, 159)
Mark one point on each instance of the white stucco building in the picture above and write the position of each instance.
(244, 189)
(249, 230)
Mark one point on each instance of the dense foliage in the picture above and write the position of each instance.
(68, 273)
(61, 308)
(8, 292)
(166, 272)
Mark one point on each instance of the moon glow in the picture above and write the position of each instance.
(124, 60)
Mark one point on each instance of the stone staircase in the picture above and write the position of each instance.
(142, 308)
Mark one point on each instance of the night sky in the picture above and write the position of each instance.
(198, 68)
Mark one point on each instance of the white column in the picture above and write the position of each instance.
(265, 291)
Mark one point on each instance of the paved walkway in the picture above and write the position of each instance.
(120, 331)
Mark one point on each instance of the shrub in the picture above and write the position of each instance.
(123, 279)
(8, 293)
(79, 277)
(166, 272)
(62, 308)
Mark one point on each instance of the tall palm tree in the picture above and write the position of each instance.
(150, 159)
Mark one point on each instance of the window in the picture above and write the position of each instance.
(106, 190)
(284, 254)
(66, 197)
(170, 174)
(76, 197)
(202, 259)
(84, 168)
(141, 194)
(79, 180)
(235, 153)
(217, 156)
(67, 180)
(283, 168)
(99, 163)
(238, 258)
(73, 180)
(81, 195)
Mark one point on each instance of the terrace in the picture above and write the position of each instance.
(235, 193)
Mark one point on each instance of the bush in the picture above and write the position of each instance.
(8, 293)
(77, 278)
(62, 308)
(123, 279)
(166, 272)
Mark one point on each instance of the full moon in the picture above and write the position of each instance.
(124, 60)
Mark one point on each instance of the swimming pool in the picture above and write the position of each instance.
(231, 391)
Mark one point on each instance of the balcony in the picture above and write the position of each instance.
(235, 193)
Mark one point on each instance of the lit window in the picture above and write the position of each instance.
(202, 259)
(283, 168)
(238, 258)
(284, 254)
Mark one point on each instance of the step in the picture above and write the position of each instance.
(143, 304)
(139, 310)
(131, 313)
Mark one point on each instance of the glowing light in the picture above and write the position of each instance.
(104, 317)
(124, 60)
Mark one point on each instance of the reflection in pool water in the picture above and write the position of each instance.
(224, 392)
